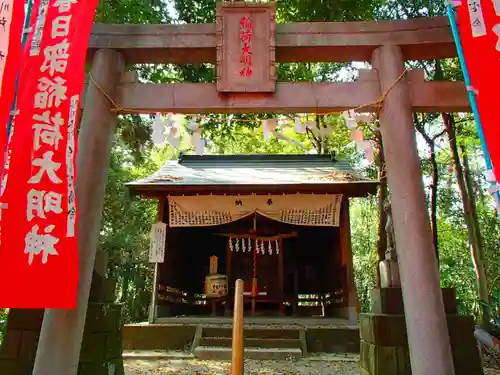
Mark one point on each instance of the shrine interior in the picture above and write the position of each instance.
(299, 271)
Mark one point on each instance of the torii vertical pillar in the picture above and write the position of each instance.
(428, 339)
(62, 330)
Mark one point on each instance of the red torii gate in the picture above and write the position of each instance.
(386, 44)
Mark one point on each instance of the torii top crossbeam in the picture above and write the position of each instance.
(419, 39)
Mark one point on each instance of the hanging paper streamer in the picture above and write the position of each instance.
(195, 137)
(357, 136)
(311, 125)
(277, 247)
(231, 248)
(200, 147)
(169, 121)
(193, 124)
(350, 119)
(197, 142)
(269, 125)
(363, 118)
(367, 147)
(249, 245)
(158, 136)
(172, 138)
(299, 126)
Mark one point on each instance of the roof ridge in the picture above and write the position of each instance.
(183, 158)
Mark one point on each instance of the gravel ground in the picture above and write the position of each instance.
(193, 367)
(197, 367)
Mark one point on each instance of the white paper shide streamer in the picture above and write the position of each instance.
(158, 136)
(299, 126)
(268, 126)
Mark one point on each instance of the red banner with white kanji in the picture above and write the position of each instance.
(39, 254)
(11, 28)
(479, 23)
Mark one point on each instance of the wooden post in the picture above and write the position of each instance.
(350, 295)
(281, 275)
(156, 275)
(428, 339)
(227, 309)
(254, 279)
(62, 330)
(238, 354)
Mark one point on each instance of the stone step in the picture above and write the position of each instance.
(225, 354)
(252, 333)
(253, 343)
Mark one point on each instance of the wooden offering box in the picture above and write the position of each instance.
(246, 34)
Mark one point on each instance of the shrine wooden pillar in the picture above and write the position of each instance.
(62, 330)
(428, 338)
(350, 293)
(153, 308)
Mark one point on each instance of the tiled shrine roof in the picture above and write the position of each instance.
(262, 172)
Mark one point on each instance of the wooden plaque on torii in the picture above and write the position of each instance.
(246, 43)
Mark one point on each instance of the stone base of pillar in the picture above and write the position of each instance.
(384, 341)
(102, 346)
(390, 300)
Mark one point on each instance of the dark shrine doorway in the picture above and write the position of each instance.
(297, 269)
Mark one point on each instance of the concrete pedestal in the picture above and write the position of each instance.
(384, 340)
(102, 347)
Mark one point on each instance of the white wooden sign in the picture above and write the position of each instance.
(158, 241)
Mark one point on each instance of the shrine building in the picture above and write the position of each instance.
(279, 222)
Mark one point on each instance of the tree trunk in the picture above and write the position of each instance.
(468, 204)
(431, 144)
(477, 250)
(125, 287)
(382, 198)
(434, 195)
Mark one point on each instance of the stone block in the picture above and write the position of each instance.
(461, 330)
(11, 344)
(25, 319)
(153, 337)
(116, 365)
(93, 348)
(114, 345)
(15, 367)
(29, 344)
(98, 368)
(105, 368)
(466, 360)
(390, 300)
(103, 317)
(332, 340)
(383, 330)
(404, 366)
(384, 347)
(380, 360)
